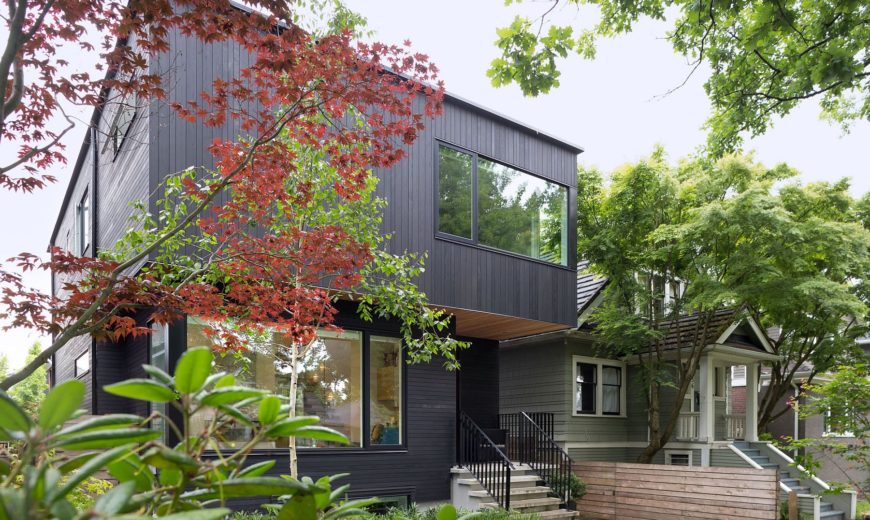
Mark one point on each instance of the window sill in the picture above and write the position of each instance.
(597, 415)
(468, 243)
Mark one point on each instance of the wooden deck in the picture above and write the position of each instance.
(646, 491)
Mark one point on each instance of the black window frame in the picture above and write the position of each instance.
(618, 387)
(586, 384)
(115, 139)
(366, 446)
(473, 241)
(83, 223)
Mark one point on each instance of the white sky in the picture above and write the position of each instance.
(611, 107)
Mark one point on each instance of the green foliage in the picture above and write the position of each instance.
(844, 402)
(576, 487)
(738, 235)
(448, 512)
(154, 478)
(33, 389)
(765, 57)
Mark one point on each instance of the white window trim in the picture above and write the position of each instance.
(828, 433)
(599, 394)
(76, 372)
(668, 454)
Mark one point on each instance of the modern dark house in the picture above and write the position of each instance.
(476, 193)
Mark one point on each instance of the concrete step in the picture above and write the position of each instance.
(790, 482)
(751, 453)
(761, 460)
(826, 506)
(769, 465)
(519, 481)
(558, 514)
(532, 505)
(800, 490)
(516, 493)
(832, 515)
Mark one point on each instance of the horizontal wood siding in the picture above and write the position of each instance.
(725, 458)
(64, 367)
(619, 490)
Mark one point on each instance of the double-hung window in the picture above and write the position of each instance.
(599, 387)
(494, 205)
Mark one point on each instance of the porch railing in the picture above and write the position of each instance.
(687, 425)
(485, 460)
(530, 441)
(735, 426)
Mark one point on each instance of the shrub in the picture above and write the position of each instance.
(156, 479)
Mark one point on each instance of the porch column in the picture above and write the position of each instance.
(706, 382)
(751, 431)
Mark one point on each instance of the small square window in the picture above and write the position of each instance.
(83, 364)
(83, 224)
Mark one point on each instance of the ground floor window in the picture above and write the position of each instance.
(352, 380)
(678, 457)
(599, 387)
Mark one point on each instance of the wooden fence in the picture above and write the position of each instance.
(651, 491)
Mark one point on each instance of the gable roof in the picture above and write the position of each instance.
(589, 286)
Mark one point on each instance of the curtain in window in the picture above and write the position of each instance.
(610, 379)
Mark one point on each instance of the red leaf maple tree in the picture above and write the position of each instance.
(298, 89)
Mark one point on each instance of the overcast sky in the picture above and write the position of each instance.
(612, 107)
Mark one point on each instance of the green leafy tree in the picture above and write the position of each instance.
(844, 401)
(4, 364)
(736, 242)
(765, 57)
(32, 390)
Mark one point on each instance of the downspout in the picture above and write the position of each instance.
(93, 194)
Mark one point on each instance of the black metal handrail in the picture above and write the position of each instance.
(485, 460)
(530, 441)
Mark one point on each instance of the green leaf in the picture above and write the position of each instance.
(321, 433)
(255, 470)
(100, 423)
(143, 390)
(446, 512)
(170, 477)
(60, 403)
(158, 374)
(248, 487)
(163, 457)
(225, 381)
(107, 438)
(299, 507)
(269, 409)
(288, 426)
(230, 394)
(218, 513)
(12, 417)
(193, 369)
(92, 466)
(131, 469)
(115, 500)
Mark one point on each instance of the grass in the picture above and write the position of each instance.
(863, 507)
(410, 513)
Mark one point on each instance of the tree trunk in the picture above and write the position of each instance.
(654, 426)
(294, 383)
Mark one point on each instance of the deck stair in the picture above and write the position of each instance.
(790, 479)
(528, 494)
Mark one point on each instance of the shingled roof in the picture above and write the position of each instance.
(588, 286)
(682, 332)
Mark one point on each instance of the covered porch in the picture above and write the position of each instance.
(707, 414)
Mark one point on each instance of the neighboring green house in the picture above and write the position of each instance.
(599, 408)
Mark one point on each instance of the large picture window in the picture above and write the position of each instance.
(498, 206)
(333, 383)
(599, 387)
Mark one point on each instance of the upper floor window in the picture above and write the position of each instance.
(599, 387)
(125, 112)
(83, 224)
(83, 364)
(498, 206)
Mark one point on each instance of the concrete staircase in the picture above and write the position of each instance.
(528, 494)
(791, 480)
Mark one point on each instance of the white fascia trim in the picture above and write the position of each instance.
(736, 353)
(596, 301)
(755, 328)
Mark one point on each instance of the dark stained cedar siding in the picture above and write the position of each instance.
(479, 382)
(64, 367)
(456, 275)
